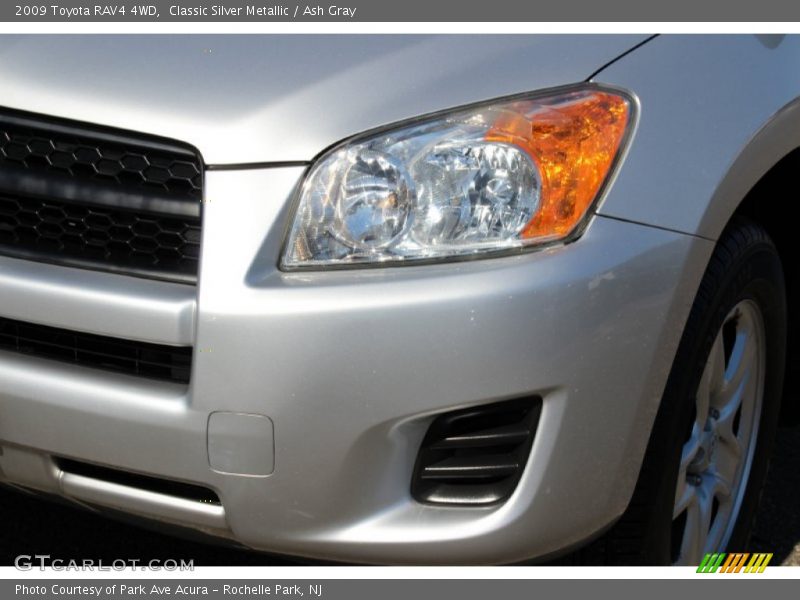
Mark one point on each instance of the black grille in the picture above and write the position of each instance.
(84, 235)
(91, 197)
(476, 456)
(171, 363)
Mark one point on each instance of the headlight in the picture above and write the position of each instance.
(504, 175)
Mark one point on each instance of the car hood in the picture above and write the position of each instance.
(254, 98)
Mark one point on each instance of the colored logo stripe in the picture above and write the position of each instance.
(734, 562)
(711, 563)
(758, 563)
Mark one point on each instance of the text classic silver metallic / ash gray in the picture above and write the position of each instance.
(401, 299)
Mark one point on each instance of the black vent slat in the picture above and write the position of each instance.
(467, 494)
(155, 361)
(476, 456)
(510, 434)
(468, 467)
(79, 354)
(90, 197)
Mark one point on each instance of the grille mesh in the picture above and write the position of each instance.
(122, 241)
(41, 148)
(86, 196)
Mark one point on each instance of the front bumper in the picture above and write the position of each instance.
(351, 367)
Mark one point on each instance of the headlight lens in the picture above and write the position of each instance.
(501, 176)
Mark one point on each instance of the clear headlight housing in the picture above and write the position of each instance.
(497, 177)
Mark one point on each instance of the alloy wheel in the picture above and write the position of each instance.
(717, 456)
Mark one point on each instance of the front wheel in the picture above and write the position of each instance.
(707, 458)
(717, 458)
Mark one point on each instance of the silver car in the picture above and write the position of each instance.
(401, 299)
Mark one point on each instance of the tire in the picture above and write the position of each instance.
(744, 275)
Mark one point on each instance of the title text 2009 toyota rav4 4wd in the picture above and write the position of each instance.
(401, 299)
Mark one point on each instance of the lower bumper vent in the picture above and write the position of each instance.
(476, 456)
(142, 359)
(167, 487)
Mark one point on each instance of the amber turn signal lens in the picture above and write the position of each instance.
(574, 140)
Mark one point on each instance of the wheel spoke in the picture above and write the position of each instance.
(704, 503)
(690, 449)
(685, 495)
(684, 492)
(719, 489)
(720, 484)
(711, 381)
(689, 551)
(698, 523)
(723, 424)
(743, 351)
(740, 367)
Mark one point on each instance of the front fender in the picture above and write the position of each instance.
(717, 112)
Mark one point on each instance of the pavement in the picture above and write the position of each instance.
(34, 526)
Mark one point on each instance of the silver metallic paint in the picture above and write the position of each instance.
(717, 112)
(255, 98)
(101, 303)
(351, 366)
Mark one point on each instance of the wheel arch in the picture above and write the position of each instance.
(763, 204)
(759, 186)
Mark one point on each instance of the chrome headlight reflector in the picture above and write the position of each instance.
(500, 176)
